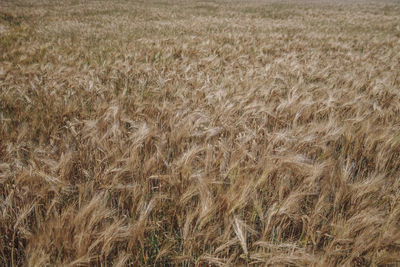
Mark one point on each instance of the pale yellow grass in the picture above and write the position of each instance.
(199, 133)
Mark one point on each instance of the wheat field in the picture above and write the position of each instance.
(199, 133)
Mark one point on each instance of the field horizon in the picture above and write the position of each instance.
(199, 133)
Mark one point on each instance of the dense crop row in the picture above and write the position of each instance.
(199, 132)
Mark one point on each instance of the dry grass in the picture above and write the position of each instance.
(196, 133)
